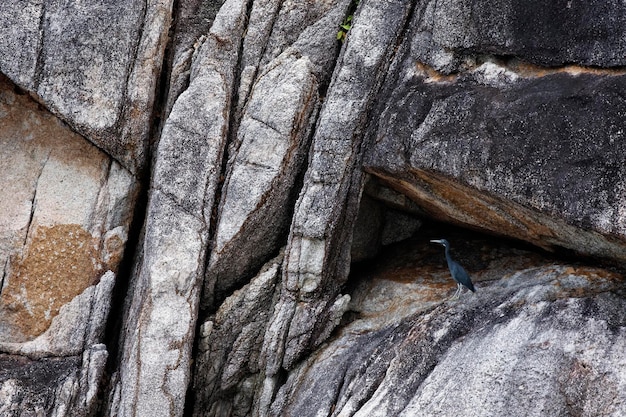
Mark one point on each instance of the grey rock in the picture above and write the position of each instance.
(366, 236)
(497, 116)
(193, 20)
(317, 257)
(257, 196)
(162, 311)
(308, 29)
(94, 65)
(537, 158)
(551, 34)
(517, 345)
(379, 223)
(398, 227)
(230, 344)
(57, 387)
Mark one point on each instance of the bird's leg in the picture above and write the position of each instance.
(456, 293)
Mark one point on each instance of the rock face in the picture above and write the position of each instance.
(288, 166)
(65, 213)
(94, 65)
(536, 340)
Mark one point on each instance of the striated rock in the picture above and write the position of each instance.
(193, 20)
(230, 344)
(257, 195)
(280, 156)
(541, 338)
(59, 387)
(317, 257)
(535, 158)
(161, 314)
(94, 65)
(307, 28)
(505, 146)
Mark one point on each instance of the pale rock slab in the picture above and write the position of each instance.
(162, 310)
(257, 194)
(65, 212)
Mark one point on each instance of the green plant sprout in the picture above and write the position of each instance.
(346, 25)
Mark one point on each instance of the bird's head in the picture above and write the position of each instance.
(441, 242)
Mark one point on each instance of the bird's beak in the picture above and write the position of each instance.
(436, 241)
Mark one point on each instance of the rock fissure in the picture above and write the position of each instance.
(33, 203)
(121, 110)
(39, 61)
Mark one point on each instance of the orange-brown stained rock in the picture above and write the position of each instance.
(60, 262)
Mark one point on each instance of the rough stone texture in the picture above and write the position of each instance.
(229, 347)
(317, 258)
(65, 210)
(162, 311)
(273, 137)
(58, 387)
(538, 338)
(308, 28)
(94, 64)
(539, 158)
(79, 324)
(497, 116)
(193, 20)
(545, 33)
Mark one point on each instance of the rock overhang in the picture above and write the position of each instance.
(511, 148)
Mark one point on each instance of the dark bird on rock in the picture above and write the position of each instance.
(459, 274)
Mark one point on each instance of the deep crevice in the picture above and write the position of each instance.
(113, 335)
(163, 87)
(115, 322)
(33, 205)
(39, 64)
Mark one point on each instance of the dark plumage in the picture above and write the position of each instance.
(458, 273)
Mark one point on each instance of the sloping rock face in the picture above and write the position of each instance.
(278, 155)
(538, 338)
(94, 65)
(484, 138)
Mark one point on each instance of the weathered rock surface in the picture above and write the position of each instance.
(537, 338)
(280, 156)
(228, 367)
(161, 314)
(257, 199)
(62, 386)
(94, 65)
(551, 34)
(474, 156)
(65, 213)
(193, 21)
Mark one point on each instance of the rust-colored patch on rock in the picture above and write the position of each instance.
(60, 262)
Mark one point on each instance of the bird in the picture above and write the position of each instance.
(459, 274)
